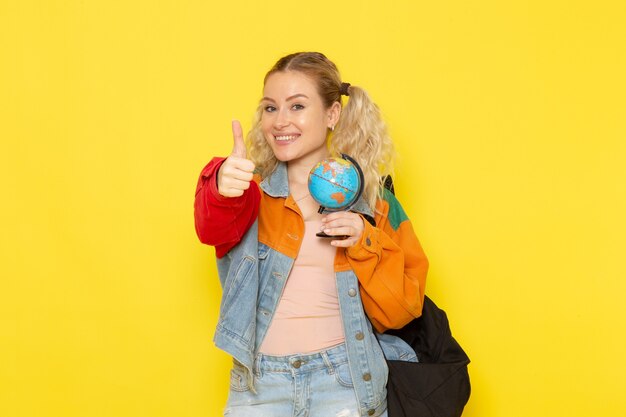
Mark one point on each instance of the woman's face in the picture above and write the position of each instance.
(294, 120)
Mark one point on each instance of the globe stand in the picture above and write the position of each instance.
(339, 237)
(322, 234)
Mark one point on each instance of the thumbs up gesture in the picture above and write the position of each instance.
(235, 174)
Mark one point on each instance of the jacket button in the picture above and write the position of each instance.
(351, 292)
(367, 377)
(368, 242)
(371, 412)
(296, 364)
(359, 336)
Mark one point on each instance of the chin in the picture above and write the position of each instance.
(283, 156)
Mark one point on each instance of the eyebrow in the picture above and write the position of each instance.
(288, 98)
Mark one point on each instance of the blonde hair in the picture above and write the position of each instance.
(360, 132)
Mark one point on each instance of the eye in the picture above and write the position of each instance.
(270, 109)
(297, 107)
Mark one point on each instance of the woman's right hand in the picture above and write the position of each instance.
(235, 174)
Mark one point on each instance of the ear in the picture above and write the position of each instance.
(333, 112)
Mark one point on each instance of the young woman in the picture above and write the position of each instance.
(304, 317)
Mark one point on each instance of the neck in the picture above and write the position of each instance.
(298, 171)
(298, 174)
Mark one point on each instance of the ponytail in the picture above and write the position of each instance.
(362, 134)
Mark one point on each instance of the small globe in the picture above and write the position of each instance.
(336, 183)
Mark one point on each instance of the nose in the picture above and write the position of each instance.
(282, 119)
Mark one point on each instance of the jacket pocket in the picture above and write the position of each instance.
(238, 378)
(236, 283)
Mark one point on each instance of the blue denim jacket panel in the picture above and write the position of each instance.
(274, 268)
(238, 273)
(366, 360)
(396, 349)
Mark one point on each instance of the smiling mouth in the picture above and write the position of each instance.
(286, 138)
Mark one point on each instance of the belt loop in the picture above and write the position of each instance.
(328, 363)
(257, 365)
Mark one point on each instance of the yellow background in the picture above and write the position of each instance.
(509, 118)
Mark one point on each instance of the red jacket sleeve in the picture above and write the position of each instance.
(222, 221)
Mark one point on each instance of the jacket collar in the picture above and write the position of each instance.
(277, 185)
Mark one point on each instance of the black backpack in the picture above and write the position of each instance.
(438, 385)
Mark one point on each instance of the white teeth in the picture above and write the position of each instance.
(284, 138)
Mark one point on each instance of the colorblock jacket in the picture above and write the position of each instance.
(380, 280)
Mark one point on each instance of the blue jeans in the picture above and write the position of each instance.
(310, 385)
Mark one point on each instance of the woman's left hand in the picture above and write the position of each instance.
(343, 223)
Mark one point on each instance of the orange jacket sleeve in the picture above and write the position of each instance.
(391, 267)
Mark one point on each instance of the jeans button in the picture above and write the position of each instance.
(296, 364)
(351, 292)
(367, 377)
(359, 336)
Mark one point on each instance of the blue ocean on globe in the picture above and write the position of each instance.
(334, 183)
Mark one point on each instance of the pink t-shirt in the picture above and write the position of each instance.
(307, 318)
